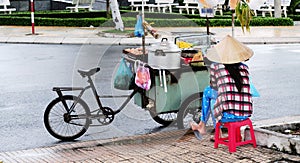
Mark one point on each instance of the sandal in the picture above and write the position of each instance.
(198, 135)
(196, 132)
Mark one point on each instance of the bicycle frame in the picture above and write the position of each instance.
(91, 85)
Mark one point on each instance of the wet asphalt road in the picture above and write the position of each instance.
(28, 72)
(275, 73)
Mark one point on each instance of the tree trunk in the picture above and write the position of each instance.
(277, 8)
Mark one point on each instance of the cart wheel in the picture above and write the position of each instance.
(190, 110)
(164, 119)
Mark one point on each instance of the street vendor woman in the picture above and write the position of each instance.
(230, 78)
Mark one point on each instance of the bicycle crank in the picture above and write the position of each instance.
(106, 116)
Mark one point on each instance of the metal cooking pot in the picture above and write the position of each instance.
(164, 55)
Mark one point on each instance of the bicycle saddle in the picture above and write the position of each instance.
(89, 72)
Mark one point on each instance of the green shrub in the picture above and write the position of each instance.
(71, 22)
(258, 21)
(220, 22)
(11, 20)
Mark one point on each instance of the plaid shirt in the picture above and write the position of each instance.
(229, 99)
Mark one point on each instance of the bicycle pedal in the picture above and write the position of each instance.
(150, 105)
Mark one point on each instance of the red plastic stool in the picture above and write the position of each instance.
(234, 138)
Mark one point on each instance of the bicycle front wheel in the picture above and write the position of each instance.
(63, 124)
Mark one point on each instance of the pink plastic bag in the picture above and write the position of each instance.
(142, 77)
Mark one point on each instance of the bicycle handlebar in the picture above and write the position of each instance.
(89, 72)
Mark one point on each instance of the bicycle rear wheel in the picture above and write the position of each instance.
(63, 125)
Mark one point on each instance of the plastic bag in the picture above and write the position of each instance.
(142, 77)
(139, 30)
(197, 60)
(254, 92)
(124, 77)
(227, 117)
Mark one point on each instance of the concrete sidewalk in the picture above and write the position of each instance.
(86, 35)
(171, 146)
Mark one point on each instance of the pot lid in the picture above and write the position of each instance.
(165, 45)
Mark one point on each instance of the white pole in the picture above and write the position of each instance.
(32, 16)
(143, 37)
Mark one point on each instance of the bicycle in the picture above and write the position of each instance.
(68, 117)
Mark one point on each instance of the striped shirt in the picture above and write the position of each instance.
(229, 99)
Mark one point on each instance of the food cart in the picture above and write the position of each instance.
(177, 82)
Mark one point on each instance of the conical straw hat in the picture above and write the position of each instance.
(229, 51)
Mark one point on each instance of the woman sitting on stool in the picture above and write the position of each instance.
(230, 78)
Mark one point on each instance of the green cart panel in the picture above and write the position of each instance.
(189, 82)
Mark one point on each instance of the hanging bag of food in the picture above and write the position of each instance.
(139, 30)
(142, 77)
(244, 14)
(124, 78)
